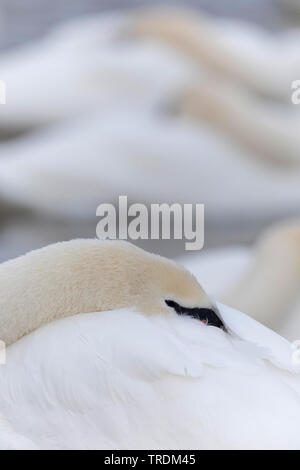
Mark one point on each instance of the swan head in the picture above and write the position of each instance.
(122, 275)
(167, 287)
(86, 276)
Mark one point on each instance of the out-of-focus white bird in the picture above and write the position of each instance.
(231, 55)
(269, 289)
(267, 129)
(174, 373)
(88, 63)
(100, 63)
(262, 282)
(73, 168)
(265, 63)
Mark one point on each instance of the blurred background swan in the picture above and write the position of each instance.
(148, 157)
(188, 103)
(263, 281)
(88, 64)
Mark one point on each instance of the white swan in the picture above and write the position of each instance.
(88, 64)
(125, 379)
(270, 131)
(88, 276)
(262, 281)
(269, 289)
(99, 63)
(72, 168)
(265, 63)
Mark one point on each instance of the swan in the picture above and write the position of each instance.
(262, 281)
(269, 289)
(84, 276)
(71, 168)
(145, 373)
(88, 64)
(99, 63)
(269, 131)
(262, 62)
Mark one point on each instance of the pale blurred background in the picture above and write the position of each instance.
(28, 21)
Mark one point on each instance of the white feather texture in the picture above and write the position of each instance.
(134, 377)
(121, 380)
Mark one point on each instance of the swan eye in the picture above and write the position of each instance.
(205, 315)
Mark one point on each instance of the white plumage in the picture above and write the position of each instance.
(144, 376)
(120, 380)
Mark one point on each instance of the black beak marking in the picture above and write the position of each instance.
(205, 315)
